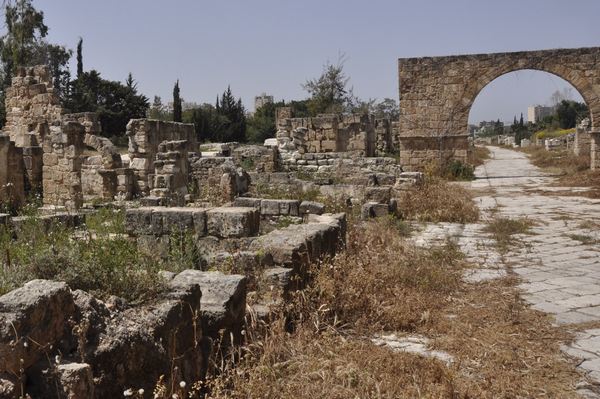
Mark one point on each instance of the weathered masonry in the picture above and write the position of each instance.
(436, 94)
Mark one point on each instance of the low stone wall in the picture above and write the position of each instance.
(59, 343)
(330, 133)
(222, 222)
(256, 158)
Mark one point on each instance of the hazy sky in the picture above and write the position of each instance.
(275, 45)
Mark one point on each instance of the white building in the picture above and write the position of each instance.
(537, 112)
(262, 100)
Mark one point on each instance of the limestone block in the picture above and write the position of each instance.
(223, 303)
(35, 314)
(311, 207)
(76, 380)
(227, 222)
(374, 210)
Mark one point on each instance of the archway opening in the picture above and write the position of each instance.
(536, 112)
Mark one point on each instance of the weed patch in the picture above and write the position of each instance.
(439, 201)
(504, 229)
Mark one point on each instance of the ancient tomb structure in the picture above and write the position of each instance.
(436, 94)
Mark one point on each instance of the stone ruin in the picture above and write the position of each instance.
(72, 344)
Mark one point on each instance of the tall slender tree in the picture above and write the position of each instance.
(177, 108)
(79, 57)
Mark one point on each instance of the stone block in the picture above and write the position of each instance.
(247, 202)
(223, 302)
(228, 222)
(311, 207)
(32, 316)
(374, 210)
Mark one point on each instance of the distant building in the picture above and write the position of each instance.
(536, 113)
(487, 128)
(262, 100)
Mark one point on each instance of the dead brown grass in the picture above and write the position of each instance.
(572, 170)
(439, 201)
(321, 349)
(479, 155)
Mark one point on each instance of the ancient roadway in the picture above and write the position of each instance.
(559, 263)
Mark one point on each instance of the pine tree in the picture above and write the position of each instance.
(79, 57)
(521, 122)
(177, 111)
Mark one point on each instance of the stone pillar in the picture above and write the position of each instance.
(12, 187)
(595, 150)
(171, 173)
(62, 166)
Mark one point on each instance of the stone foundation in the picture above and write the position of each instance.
(417, 152)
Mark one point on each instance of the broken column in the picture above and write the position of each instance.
(171, 173)
(62, 165)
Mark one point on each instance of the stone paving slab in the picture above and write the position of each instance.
(560, 274)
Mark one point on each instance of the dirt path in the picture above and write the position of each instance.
(559, 263)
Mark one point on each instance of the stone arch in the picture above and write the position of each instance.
(436, 95)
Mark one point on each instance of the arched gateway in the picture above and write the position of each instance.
(436, 94)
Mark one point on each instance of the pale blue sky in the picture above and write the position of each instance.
(275, 45)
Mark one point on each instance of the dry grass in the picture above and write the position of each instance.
(504, 230)
(439, 201)
(479, 155)
(321, 349)
(572, 170)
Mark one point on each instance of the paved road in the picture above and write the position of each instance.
(560, 262)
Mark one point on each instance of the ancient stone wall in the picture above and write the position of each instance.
(171, 173)
(31, 106)
(63, 148)
(12, 172)
(332, 133)
(145, 135)
(436, 93)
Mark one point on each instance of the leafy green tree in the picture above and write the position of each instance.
(569, 113)
(261, 125)
(329, 92)
(387, 108)
(177, 107)
(158, 111)
(115, 103)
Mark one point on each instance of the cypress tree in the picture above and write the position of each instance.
(79, 57)
(177, 111)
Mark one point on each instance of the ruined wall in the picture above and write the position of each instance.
(12, 171)
(145, 135)
(332, 133)
(31, 106)
(171, 173)
(436, 93)
(63, 148)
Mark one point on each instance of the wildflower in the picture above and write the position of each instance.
(141, 391)
(128, 392)
(182, 384)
